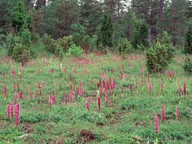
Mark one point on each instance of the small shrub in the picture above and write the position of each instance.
(124, 46)
(59, 51)
(75, 51)
(21, 53)
(65, 42)
(187, 65)
(11, 42)
(49, 43)
(160, 55)
(62, 43)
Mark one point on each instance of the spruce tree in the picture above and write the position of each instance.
(106, 31)
(19, 15)
(188, 41)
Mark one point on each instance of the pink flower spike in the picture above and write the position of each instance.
(131, 88)
(99, 103)
(177, 112)
(10, 111)
(52, 70)
(72, 96)
(51, 101)
(162, 113)
(17, 114)
(156, 124)
(100, 90)
(13, 72)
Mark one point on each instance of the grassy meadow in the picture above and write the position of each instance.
(130, 98)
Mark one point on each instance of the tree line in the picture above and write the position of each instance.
(100, 23)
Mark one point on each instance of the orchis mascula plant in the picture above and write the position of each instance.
(13, 72)
(156, 124)
(72, 96)
(10, 108)
(163, 113)
(131, 88)
(99, 103)
(17, 114)
(52, 100)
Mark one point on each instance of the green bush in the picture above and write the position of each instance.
(75, 51)
(21, 53)
(11, 42)
(49, 43)
(124, 46)
(187, 65)
(160, 55)
(65, 42)
(55, 46)
(59, 51)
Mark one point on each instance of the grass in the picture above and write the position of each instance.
(128, 118)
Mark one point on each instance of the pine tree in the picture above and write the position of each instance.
(106, 31)
(188, 41)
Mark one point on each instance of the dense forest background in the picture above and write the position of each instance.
(96, 24)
